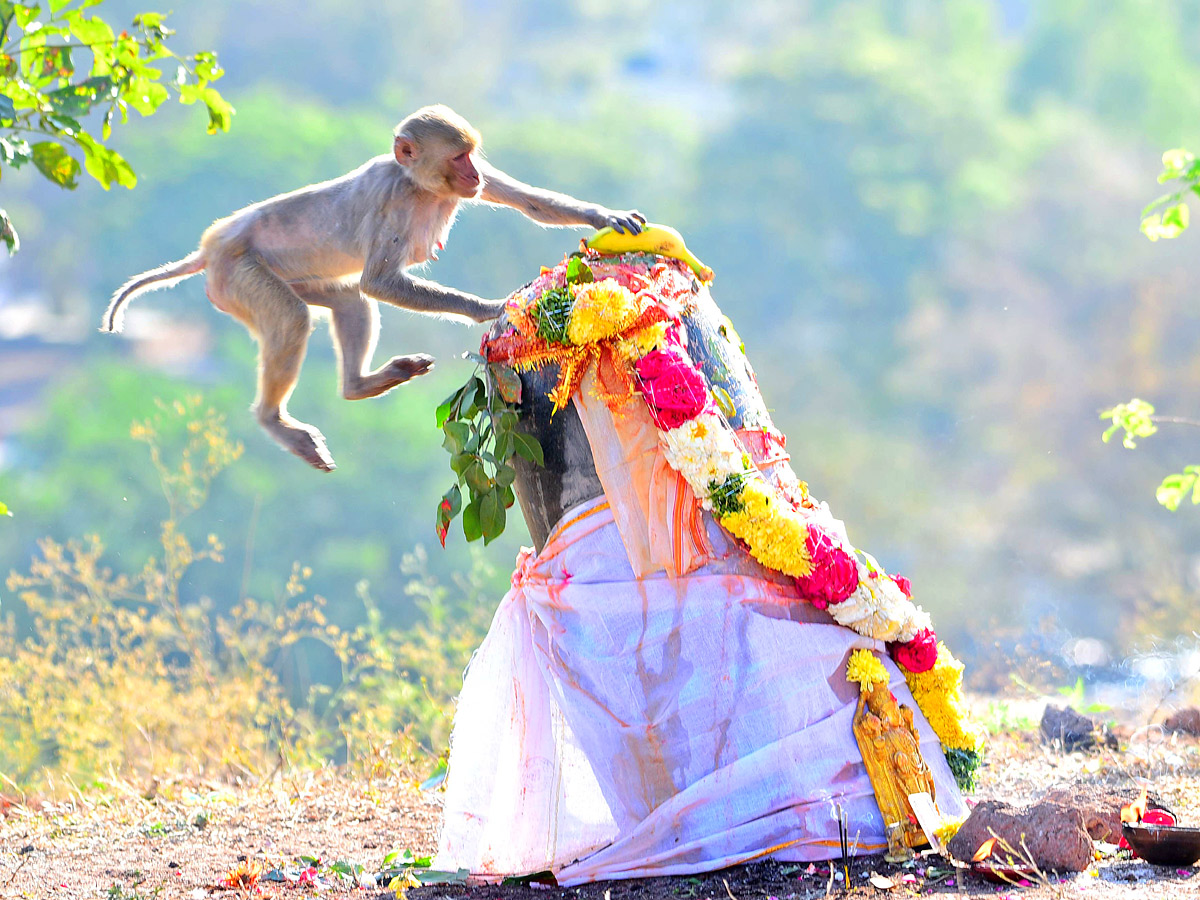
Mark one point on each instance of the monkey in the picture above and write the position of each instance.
(346, 244)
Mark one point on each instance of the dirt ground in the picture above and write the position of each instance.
(327, 834)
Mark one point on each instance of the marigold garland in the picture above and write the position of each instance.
(774, 532)
(628, 321)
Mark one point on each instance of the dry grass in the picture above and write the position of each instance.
(181, 838)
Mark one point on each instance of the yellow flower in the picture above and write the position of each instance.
(642, 341)
(865, 669)
(939, 694)
(775, 533)
(949, 828)
(602, 309)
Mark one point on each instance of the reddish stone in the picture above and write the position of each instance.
(1054, 835)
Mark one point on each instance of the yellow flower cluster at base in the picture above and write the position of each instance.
(939, 694)
(865, 669)
(602, 309)
(775, 533)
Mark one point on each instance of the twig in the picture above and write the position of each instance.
(725, 882)
(20, 866)
(1024, 857)
(1176, 420)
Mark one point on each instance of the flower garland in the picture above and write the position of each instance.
(625, 313)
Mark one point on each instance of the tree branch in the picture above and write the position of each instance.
(1176, 420)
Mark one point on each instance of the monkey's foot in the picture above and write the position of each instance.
(406, 367)
(303, 440)
(313, 451)
(396, 371)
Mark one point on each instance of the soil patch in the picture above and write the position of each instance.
(330, 834)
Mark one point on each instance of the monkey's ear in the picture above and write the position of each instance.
(406, 151)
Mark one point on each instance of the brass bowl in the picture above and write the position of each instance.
(1164, 845)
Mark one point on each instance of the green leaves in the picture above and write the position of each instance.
(1175, 488)
(78, 99)
(1178, 163)
(8, 234)
(88, 31)
(527, 447)
(1173, 216)
(479, 426)
(553, 313)
(579, 272)
(40, 93)
(1135, 418)
(220, 112)
(106, 165)
(1170, 224)
(56, 164)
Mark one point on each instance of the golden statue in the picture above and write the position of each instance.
(891, 751)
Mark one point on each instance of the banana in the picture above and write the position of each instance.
(660, 240)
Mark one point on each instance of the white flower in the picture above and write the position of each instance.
(703, 450)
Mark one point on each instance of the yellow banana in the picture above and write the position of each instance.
(660, 240)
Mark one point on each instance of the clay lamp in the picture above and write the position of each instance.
(1151, 833)
(999, 867)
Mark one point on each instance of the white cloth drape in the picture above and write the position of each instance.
(617, 727)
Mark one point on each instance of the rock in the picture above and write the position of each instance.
(1054, 834)
(1100, 808)
(1068, 729)
(1186, 720)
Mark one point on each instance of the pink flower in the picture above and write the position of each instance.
(904, 584)
(835, 573)
(917, 655)
(674, 388)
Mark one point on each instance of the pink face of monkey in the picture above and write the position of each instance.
(462, 176)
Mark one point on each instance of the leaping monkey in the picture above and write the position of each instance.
(346, 244)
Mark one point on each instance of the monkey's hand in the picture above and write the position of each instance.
(628, 221)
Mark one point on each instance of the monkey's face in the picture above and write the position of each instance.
(461, 175)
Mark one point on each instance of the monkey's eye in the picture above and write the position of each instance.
(462, 156)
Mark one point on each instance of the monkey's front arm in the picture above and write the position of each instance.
(385, 282)
(551, 207)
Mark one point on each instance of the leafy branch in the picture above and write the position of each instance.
(1172, 217)
(479, 421)
(45, 91)
(1136, 420)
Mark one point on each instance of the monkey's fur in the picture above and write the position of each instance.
(345, 244)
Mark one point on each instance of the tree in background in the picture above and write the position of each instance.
(47, 91)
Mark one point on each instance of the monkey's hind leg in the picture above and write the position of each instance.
(355, 331)
(280, 321)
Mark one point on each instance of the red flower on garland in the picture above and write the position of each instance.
(835, 573)
(917, 655)
(673, 387)
(904, 584)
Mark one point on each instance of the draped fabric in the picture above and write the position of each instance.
(674, 718)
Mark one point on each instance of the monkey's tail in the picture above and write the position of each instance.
(163, 276)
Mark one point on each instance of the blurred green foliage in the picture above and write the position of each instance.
(918, 216)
